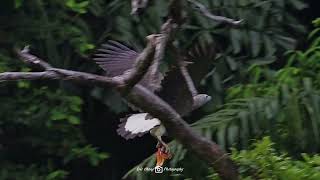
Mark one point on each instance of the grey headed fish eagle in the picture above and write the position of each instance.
(116, 58)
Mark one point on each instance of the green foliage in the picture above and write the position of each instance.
(44, 121)
(47, 122)
(18, 3)
(263, 36)
(264, 162)
(87, 152)
(61, 113)
(79, 7)
(282, 103)
(57, 175)
(32, 172)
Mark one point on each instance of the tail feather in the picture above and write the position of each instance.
(136, 125)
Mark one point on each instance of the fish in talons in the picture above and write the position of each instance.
(162, 155)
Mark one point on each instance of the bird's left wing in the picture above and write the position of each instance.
(115, 58)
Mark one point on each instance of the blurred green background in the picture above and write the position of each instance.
(264, 80)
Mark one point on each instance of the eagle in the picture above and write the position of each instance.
(116, 59)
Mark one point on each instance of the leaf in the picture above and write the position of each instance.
(299, 5)
(18, 3)
(80, 7)
(58, 174)
(73, 120)
(235, 40)
(57, 115)
(286, 42)
(269, 45)
(255, 43)
(23, 84)
(232, 64)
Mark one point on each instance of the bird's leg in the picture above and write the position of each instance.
(158, 132)
(161, 144)
(163, 150)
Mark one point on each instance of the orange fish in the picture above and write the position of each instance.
(162, 156)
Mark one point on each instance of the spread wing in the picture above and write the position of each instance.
(115, 58)
(176, 92)
(202, 57)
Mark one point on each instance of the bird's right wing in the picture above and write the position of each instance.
(176, 93)
(201, 56)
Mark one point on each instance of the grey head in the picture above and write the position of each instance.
(200, 100)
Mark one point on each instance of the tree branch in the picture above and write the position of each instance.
(141, 66)
(166, 33)
(61, 74)
(204, 11)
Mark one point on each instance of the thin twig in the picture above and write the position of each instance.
(203, 10)
(185, 73)
(138, 5)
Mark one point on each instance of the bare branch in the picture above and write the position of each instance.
(28, 58)
(15, 76)
(61, 74)
(203, 10)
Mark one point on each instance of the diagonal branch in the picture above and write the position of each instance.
(143, 62)
(204, 11)
(167, 29)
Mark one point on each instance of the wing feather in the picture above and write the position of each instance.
(115, 58)
(202, 57)
(136, 125)
(176, 93)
